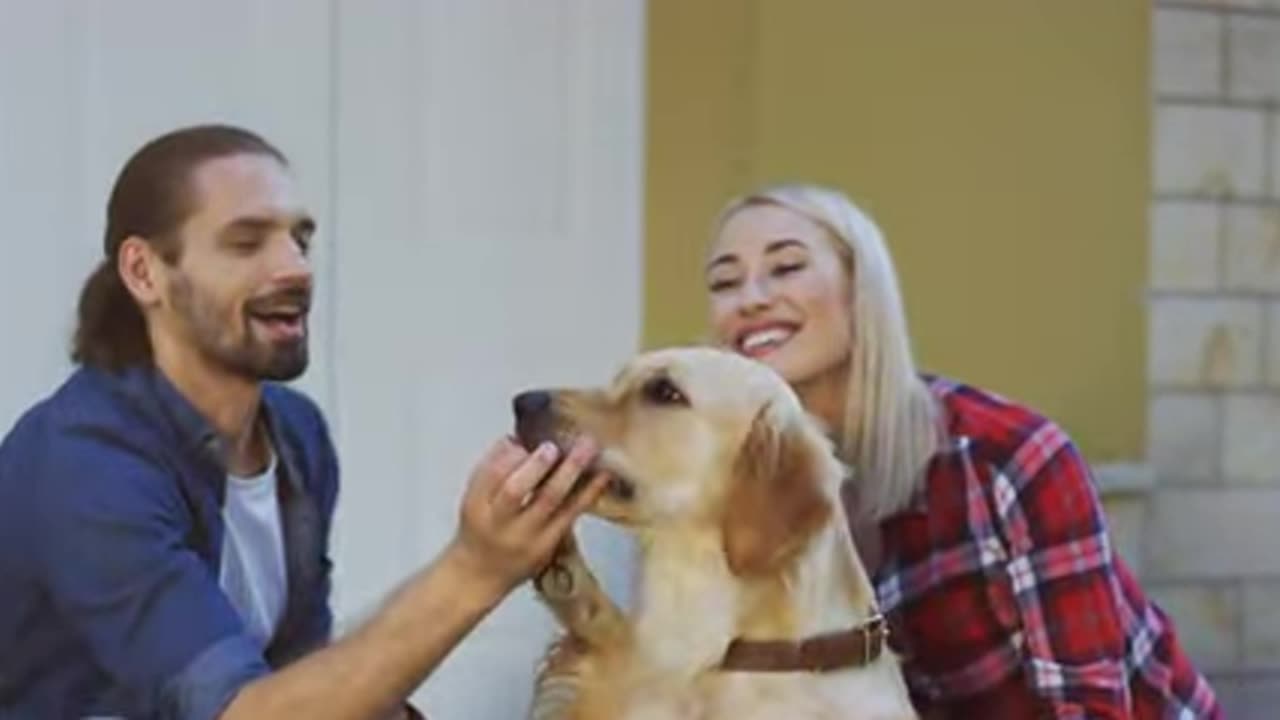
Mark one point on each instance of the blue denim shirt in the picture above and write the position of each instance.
(111, 531)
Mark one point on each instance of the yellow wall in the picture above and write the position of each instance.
(1001, 144)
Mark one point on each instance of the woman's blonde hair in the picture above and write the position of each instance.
(891, 423)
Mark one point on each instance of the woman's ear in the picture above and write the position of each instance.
(775, 501)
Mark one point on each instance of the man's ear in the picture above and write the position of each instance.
(775, 501)
(137, 262)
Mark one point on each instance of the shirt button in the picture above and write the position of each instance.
(992, 552)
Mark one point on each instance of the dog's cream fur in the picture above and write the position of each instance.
(733, 492)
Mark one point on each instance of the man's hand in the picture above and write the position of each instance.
(511, 520)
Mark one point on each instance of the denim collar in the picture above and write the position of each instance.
(194, 433)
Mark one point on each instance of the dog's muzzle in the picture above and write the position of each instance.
(536, 423)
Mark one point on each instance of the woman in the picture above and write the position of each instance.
(991, 558)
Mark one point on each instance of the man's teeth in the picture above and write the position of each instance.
(280, 315)
(772, 336)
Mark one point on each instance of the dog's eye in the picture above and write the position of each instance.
(662, 391)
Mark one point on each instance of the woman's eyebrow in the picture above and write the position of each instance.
(782, 244)
(772, 247)
(725, 259)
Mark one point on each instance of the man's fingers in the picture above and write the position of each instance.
(585, 497)
(521, 479)
(553, 492)
(495, 465)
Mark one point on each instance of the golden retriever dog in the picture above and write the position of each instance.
(753, 603)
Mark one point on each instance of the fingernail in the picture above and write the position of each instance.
(547, 451)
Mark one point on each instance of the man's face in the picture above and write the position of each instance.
(240, 291)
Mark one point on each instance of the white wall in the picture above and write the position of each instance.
(476, 168)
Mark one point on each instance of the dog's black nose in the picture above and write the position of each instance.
(531, 404)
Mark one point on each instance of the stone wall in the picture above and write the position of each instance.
(1210, 547)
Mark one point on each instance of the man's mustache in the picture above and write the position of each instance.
(295, 299)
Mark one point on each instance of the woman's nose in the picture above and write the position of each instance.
(756, 293)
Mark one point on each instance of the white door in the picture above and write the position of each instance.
(476, 169)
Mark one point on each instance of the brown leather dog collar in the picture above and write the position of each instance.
(856, 647)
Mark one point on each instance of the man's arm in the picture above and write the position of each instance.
(507, 531)
(113, 550)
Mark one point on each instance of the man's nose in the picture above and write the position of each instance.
(290, 263)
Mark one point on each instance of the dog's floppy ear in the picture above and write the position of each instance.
(775, 501)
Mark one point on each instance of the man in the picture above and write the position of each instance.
(164, 514)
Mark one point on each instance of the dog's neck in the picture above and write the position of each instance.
(691, 605)
(822, 590)
(688, 604)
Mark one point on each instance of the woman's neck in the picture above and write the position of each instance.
(825, 396)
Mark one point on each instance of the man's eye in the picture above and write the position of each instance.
(303, 239)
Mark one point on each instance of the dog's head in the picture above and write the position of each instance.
(696, 436)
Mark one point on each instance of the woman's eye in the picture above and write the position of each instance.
(788, 269)
(722, 284)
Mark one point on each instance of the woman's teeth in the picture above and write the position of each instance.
(766, 338)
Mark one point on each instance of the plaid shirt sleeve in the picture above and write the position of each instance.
(1063, 580)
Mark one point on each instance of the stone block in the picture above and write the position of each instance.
(1185, 245)
(1205, 342)
(1262, 624)
(1188, 52)
(1213, 534)
(1209, 150)
(1251, 248)
(1251, 438)
(1207, 616)
(1182, 436)
(1254, 57)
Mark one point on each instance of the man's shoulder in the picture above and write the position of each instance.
(87, 401)
(83, 443)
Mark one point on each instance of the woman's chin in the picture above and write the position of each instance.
(780, 359)
(777, 359)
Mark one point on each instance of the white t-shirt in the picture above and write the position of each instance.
(253, 568)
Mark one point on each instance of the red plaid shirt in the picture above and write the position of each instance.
(1002, 591)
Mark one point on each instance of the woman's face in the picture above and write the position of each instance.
(780, 292)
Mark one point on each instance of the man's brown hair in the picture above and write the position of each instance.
(151, 199)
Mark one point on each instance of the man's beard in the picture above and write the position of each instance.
(250, 356)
